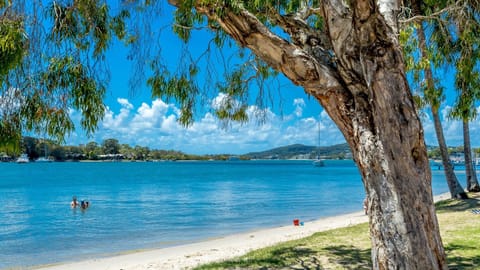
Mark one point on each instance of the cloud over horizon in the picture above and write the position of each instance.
(155, 125)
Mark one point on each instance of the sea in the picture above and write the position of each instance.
(145, 205)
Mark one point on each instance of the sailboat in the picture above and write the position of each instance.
(44, 158)
(22, 159)
(318, 162)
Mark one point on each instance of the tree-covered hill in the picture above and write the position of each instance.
(300, 151)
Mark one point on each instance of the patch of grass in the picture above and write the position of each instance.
(460, 229)
(349, 248)
(335, 249)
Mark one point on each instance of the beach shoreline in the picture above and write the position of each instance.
(217, 249)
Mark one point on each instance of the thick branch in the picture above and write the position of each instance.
(297, 64)
(294, 62)
(301, 33)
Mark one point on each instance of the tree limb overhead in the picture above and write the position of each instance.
(297, 64)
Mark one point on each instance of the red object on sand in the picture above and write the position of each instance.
(296, 222)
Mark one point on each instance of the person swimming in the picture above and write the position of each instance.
(84, 205)
(74, 202)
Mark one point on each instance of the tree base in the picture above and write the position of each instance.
(474, 188)
(461, 196)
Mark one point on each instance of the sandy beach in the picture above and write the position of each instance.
(191, 255)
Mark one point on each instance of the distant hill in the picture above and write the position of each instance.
(300, 151)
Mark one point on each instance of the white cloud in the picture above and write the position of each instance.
(125, 103)
(155, 125)
(299, 104)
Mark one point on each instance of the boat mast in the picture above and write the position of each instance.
(318, 143)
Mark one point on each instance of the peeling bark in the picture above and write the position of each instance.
(366, 94)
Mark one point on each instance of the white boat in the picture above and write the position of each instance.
(318, 163)
(43, 159)
(23, 159)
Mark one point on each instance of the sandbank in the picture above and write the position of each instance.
(222, 248)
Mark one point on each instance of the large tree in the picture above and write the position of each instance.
(422, 57)
(348, 57)
(111, 146)
(453, 37)
(464, 54)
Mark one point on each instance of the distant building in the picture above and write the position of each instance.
(301, 156)
(5, 158)
(111, 157)
(457, 158)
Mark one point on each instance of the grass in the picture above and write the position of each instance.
(349, 248)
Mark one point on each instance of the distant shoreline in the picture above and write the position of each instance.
(195, 254)
(177, 160)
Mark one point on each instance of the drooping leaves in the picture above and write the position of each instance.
(12, 45)
(52, 56)
(465, 57)
(239, 78)
(86, 24)
(80, 91)
(180, 88)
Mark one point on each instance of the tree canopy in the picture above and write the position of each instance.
(53, 60)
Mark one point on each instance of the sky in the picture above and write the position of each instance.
(294, 117)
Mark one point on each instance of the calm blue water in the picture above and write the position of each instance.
(147, 205)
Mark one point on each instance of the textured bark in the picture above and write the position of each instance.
(470, 172)
(456, 190)
(387, 141)
(366, 93)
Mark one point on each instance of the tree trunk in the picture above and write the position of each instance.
(381, 125)
(392, 159)
(471, 174)
(364, 89)
(456, 190)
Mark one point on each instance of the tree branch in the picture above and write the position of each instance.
(435, 15)
(301, 33)
(294, 62)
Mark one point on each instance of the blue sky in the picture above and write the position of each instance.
(137, 119)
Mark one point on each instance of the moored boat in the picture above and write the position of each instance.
(23, 159)
(43, 159)
(318, 163)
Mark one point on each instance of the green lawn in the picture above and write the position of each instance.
(349, 248)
